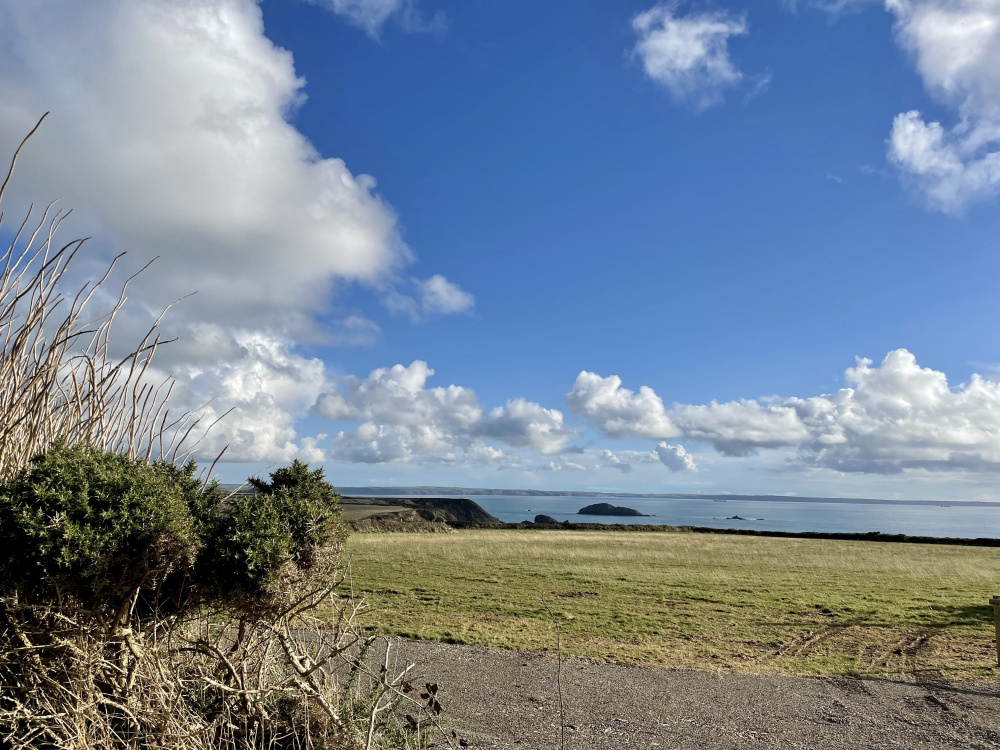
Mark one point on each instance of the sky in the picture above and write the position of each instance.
(694, 247)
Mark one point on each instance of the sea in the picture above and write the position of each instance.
(914, 519)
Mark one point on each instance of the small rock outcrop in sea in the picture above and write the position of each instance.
(735, 518)
(542, 518)
(607, 509)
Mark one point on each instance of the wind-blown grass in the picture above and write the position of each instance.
(701, 601)
(59, 377)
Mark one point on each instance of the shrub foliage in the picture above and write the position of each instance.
(109, 532)
(95, 528)
(180, 617)
(256, 537)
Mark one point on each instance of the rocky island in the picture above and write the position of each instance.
(607, 509)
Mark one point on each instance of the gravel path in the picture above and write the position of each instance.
(507, 700)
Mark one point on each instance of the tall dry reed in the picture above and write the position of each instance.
(59, 379)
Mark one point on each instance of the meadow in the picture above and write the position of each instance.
(702, 601)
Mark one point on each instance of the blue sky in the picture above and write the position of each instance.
(723, 206)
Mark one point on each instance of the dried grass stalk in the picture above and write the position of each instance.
(59, 378)
(304, 678)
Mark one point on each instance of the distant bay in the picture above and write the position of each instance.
(765, 513)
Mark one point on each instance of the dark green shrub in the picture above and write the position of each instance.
(254, 537)
(96, 527)
(105, 563)
(306, 501)
(104, 531)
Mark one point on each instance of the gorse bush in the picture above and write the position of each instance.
(113, 534)
(282, 527)
(94, 527)
(174, 611)
(304, 500)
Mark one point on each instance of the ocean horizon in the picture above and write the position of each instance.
(959, 519)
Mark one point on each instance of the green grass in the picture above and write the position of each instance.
(702, 601)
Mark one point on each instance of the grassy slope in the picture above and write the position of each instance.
(692, 600)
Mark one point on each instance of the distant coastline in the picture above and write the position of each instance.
(423, 514)
(467, 491)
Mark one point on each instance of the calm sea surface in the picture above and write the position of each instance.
(918, 520)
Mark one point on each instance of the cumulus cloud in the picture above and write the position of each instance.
(592, 460)
(689, 54)
(439, 295)
(371, 15)
(619, 412)
(378, 443)
(956, 48)
(740, 428)
(264, 387)
(614, 461)
(525, 424)
(482, 453)
(893, 417)
(674, 457)
(398, 395)
(402, 419)
(955, 45)
(170, 135)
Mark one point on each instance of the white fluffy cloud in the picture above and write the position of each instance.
(619, 412)
(439, 295)
(402, 419)
(398, 395)
(614, 461)
(739, 428)
(374, 443)
(893, 417)
(525, 424)
(482, 453)
(169, 135)
(675, 458)
(371, 15)
(592, 460)
(263, 385)
(688, 54)
(956, 47)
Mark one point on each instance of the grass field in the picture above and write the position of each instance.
(702, 601)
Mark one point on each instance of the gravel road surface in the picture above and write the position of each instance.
(507, 700)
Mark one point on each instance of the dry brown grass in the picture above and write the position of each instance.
(205, 680)
(59, 379)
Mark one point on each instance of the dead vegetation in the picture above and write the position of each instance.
(119, 631)
(206, 679)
